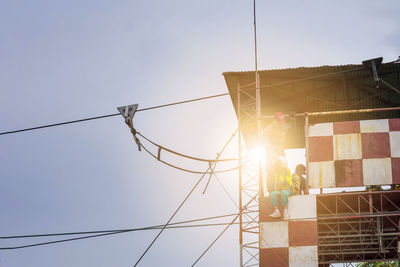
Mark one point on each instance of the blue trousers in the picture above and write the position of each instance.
(283, 194)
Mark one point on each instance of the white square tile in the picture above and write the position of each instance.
(321, 129)
(274, 234)
(306, 256)
(377, 171)
(302, 207)
(374, 126)
(321, 174)
(347, 146)
(394, 144)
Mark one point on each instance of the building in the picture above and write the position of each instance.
(347, 119)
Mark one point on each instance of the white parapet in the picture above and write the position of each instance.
(302, 207)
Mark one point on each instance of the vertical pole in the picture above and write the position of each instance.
(398, 248)
(259, 136)
(307, 151)
(259, 128)
(258, 108)
(258, 93)
(370, 204)
(240, 175)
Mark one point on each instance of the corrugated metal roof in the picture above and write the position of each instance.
(324, 88)
(385, 67)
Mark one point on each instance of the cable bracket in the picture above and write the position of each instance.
(128, 112)
(373, 65)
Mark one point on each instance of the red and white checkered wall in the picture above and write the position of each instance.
(354, 153)
(294, 242)
(341, 154)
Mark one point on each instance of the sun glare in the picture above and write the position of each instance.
(259, 153)
(294, 157)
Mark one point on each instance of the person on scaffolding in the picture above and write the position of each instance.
(275, 134)
(299, 181)
(280, 180)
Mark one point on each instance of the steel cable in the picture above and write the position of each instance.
(184, 200)
(183, 102)
(176, 225)
(180, 154)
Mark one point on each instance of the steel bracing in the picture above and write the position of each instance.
(358, 227)
(352, 227)
(248, 183)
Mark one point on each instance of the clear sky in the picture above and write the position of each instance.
(65, 60)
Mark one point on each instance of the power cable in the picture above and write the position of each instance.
(187, 170)
(209, 178)
(160, 148)
(63, 240)
(112, 233)
(183, 202)
(210, 169)
(114, 230)
(171, 226)
(58, 124)
(111, 115)
(226, 191)
(226, 228)
(182, 102)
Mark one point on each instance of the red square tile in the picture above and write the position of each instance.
(274, 257)
(320, 148)
(346, 127)
(396, 170)
(375, 145)
(348, 173)
(266, 208)
(394, 124)
(302, 233)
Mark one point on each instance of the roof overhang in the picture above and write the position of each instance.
(314, 89)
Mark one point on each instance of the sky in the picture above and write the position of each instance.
(67, 60)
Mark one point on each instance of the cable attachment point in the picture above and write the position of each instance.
(128, 112)
(373, 65)
(211, 167)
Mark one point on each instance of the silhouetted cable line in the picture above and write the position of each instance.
(160, 147)
(226, 228)
(115, 230)
(59, 124)
(183, 102)
(110, 115)
(187, 101)
(64, 240)
(113, 233)
(184, 200)
(210, 169)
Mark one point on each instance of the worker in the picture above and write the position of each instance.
(299, 181)
(281, 181)
(374, 188)
(395, 187)
(275, 134)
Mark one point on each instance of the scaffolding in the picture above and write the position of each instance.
(358, 227)
(249, 180)
(362, 226)
(310, 90)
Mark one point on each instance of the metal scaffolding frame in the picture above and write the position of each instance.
(249, 233)
(352, 229)
(358, 227)
(365, 232)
